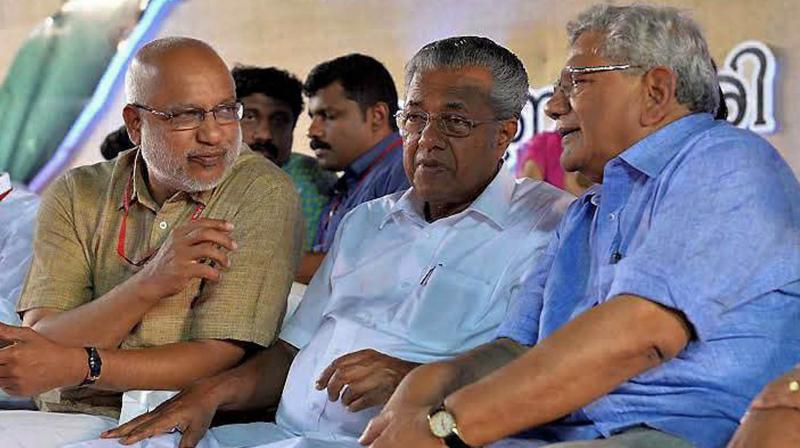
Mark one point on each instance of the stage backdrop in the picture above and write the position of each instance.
(756, 44)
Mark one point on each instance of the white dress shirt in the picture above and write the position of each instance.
(414, 290)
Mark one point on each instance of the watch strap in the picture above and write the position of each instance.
(454, 441)
(95, 366)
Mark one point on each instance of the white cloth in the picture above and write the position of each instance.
(251, 435)
(34, 429)
(414, 290)
(17, 222)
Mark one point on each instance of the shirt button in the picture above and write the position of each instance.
(612, 216)
(162, 225)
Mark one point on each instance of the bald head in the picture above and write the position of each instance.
(169, 58)
(168, 82)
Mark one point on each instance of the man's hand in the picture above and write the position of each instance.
(783, 392)
(400, 426)
(190, 412)
(183, 255)
(31, 364)
(768, 428)
(367, 377)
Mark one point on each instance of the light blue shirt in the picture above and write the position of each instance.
(17, 222)
(703, 218)
(411, 289)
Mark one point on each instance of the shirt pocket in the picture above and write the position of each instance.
(444, 309)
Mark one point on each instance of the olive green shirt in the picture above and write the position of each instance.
(75, 257)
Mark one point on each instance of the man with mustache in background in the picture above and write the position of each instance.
(153, 270)
(352, 101)
(272, 100)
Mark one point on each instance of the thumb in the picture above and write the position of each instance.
(374, 429)
(191, 437)
(10, 333)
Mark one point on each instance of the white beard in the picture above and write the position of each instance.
(171, 170)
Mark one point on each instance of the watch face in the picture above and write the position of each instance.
(442, 424)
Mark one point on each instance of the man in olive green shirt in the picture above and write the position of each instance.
(163, 266)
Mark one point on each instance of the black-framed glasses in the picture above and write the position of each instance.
(187, 119)
(449, 124)
(569, 79)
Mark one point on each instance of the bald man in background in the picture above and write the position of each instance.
(153, 270)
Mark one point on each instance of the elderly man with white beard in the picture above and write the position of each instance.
(156, 269)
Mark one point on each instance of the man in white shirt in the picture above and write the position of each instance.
(411, 278)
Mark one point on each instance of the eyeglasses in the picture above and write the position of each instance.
(449, 124)
(189, 119)
(569, 80)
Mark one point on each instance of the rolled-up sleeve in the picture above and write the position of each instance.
(60, 275)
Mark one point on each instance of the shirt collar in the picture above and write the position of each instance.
(592, 194)
(651, 154)
(362, 163)
(493, 203)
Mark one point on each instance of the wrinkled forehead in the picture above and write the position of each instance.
(460, 88)
(586, 50)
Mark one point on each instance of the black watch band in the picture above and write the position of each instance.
(454, 441)
(95, 366)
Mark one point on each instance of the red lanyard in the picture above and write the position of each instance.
(126, 203)
(338, 199)
(5, 193)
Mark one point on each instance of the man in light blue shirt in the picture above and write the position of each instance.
(671, 293)
(411, 278)
(17, 218)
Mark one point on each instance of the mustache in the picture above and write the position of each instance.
(319, 144)
(266, 147)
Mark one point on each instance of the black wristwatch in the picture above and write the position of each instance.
(95, 366)
(443, 425)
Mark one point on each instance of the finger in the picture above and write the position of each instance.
(367, 400)
(137, 423)
(145, 432)
(202, 270)
(209, 251)
(374, 429)
(215, 236)
(344, 376)
(324, 378)
(192, 436)
(343, 361)
(777, 400)
(10, 333)
(365, 394)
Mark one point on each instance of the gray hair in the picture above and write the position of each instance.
(650, 36)
(509, 78)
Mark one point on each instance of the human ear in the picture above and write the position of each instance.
(133, 122)
(659, 85)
